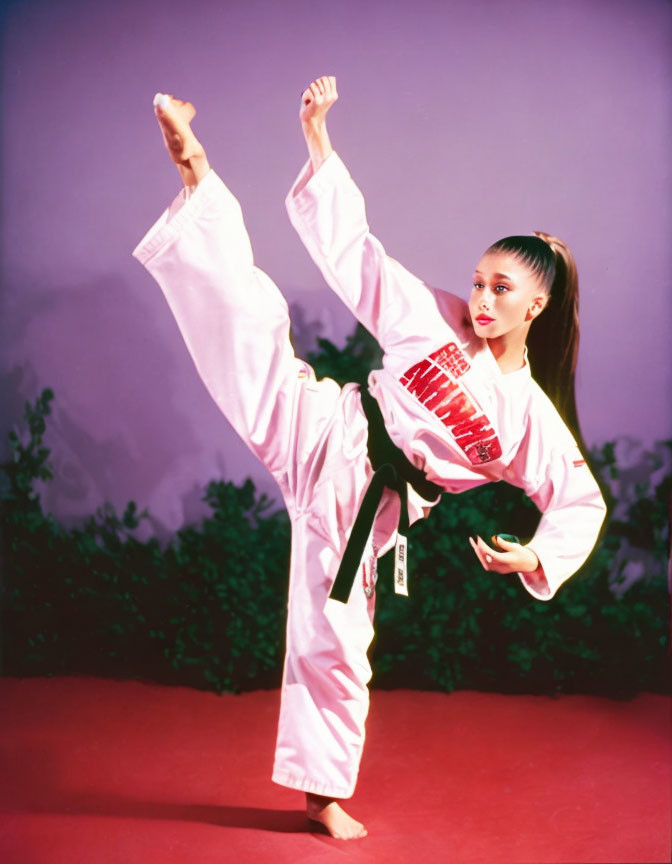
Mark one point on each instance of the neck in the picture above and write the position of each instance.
(509, 351)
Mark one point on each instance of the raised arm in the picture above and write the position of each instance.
(328, 211)
(316, 100)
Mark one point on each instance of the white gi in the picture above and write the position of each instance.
(445, 402)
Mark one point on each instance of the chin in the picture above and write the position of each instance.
(481, 330)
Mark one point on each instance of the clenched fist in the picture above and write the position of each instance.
(317, 99)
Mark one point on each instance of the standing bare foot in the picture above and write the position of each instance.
(329, 813)
(184, 148)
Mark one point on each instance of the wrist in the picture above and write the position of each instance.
(314, 125)
(535, 564)
(536, 579)
(319, 145)
(315, 133)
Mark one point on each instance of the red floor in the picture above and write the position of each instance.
(98, 771)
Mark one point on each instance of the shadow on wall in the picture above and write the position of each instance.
(303, 333)
(131, 418)
(116, 362)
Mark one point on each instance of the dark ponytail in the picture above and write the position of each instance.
(553, 339)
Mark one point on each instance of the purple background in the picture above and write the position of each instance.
(461, 122)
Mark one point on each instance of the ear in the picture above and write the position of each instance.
(538, 304)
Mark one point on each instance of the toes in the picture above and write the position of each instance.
(161, 100)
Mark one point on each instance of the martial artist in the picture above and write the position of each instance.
(455, 398)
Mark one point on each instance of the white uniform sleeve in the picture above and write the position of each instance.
(327, 210)
(200, 254)
(232, 317)
(573, 512)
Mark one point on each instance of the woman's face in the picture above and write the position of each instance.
(506, 296)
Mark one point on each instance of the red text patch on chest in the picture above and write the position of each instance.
(433, 383)
(451, 359)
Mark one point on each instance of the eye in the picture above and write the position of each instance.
(478, 284)
(503, 287)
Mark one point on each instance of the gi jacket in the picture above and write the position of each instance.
(444, 399)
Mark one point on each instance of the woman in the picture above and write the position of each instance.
(455, 395)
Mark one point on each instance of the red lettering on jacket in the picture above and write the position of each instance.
(469, 427)
(421, 378)
(474, 432)
(451, 359)
(444, 397)
(444, 391)
(456, 410)
(414, 370)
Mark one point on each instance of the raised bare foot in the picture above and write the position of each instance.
(186, 151)
(329, 813)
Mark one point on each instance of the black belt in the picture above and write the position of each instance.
(392, 470)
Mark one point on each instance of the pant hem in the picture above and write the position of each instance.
(282, 778)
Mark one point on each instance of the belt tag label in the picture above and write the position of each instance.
(400, 550)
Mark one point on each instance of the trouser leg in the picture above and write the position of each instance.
(232, 317)
(311, 435)
(325, 698)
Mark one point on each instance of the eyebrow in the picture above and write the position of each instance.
(496, 275)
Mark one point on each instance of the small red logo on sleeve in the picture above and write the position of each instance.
(579, 462)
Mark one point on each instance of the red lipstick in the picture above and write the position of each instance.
(484, 319)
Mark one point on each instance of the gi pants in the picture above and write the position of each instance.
(312, 437)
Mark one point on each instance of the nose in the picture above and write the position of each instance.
(484, 303)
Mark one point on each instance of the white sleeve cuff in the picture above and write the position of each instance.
(310, 184)
(188, 203)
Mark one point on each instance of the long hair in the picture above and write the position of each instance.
(553, 339)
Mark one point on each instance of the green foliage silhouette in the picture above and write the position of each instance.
(207, 608)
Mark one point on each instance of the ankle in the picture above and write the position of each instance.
(318, 800)
(199, 167)
(192, 171)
